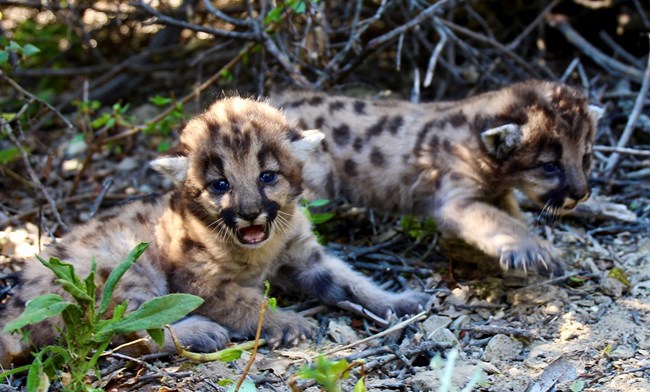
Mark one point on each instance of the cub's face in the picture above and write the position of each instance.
(239, 170)
(547, 151)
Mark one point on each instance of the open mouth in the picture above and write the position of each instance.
(252, 235)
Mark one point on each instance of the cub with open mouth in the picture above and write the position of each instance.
(232, 222)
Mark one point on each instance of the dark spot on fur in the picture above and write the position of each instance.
(395, 124)
(297, 103)
(358, 144)
(434, 143)
(457, 119)
(302, 124)
(107, 217)
(446, 145)
(60, 251)
(324, 146)
(294, 135)
(426, 128)
(319, 122)
(377, 128)
(341, 134)
(315, 101)
(360, 107)
(350, 167)
(377, 157)
(188, 244)
(336, 105)
(141, 218)
(315, 258)
(455, 176)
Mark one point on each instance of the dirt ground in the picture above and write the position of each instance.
(587, 330)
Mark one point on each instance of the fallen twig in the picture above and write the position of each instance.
(631, 122)
(612, 65)
(494, 329)
(418, 317)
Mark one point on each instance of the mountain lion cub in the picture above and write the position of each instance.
(232, 222)
(458, 162)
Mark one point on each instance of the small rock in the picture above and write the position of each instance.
(500, 348)
(341, 333)
(622, 352)
(428, 380)
(443, 335)
(460, 322)
(434, 322)
(612, 287)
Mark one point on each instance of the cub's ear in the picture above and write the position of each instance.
(596, 112)
(173, 167)
(501, 140)
(308, 143)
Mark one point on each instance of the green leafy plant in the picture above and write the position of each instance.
(329, 374)
(167, 123)
(418, 229)
(275, 14)
(316, 218)
(24, 51)
(87, 332)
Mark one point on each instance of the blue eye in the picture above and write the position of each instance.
(268, 177)
(550, 167)
(221, 185)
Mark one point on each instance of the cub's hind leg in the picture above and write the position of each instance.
(307, 268)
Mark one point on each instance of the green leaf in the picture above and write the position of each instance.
(37, 310)
(78, 293)
(4, 56)
(246, 386)
(340, 367)
(158, 335)
(15, 47)
(618, 274)
(321, 218)
(230, 354)
(117, 274)
(164, 145)
(37, 380)
(30, 50)
(11, 372)
(274, 16)
(9, 155)
(272, 303)
(155, 313)
(318, 203)
(62, 270)
(225, 381)
(577, 386)
(159, 100)
(360, 386)
(299, 7)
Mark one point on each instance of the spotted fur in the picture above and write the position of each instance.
(217, 241)
(458, 162)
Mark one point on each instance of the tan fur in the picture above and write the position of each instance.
(220, 244)
(457, 161)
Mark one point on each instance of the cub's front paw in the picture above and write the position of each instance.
(531, 252)
(409, 302)
(197, 333)
(286, 328)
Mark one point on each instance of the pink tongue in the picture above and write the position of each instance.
(252, 234)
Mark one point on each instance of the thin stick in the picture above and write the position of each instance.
(186, 98)
(631, 122)
(18, 87)
(258, 333)
(5, 125)
(560, 22)
(396, 327)
(623, 150)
